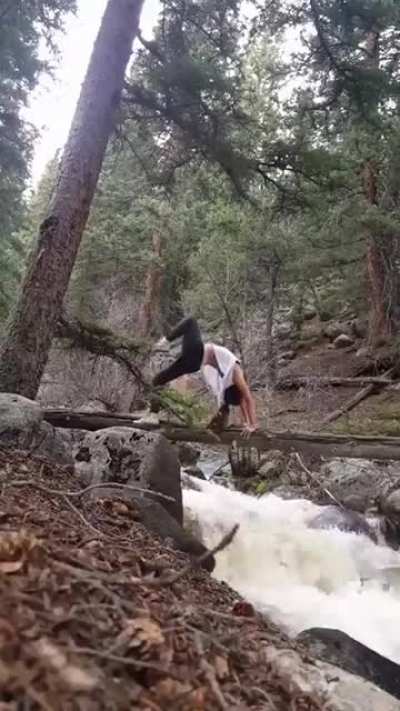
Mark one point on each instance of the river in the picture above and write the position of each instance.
(299, 576)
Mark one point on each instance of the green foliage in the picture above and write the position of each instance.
(188, 408)
(23, 26)
(239, 151)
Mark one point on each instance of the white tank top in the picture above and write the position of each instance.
(219, 380)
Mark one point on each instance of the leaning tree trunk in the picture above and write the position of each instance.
(25, 350)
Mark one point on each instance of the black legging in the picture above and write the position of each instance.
(191, 356)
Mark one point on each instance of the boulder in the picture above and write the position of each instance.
(187, 454)
(20, 420)
(284, 329)
(343, 341)
(321, 685)
(196, 472)
(22, 427)
(363, 352)
(189, 483)
(158, 521)
(356, 477)
(273, 465)
(389, 504)
(344, 520)
(333, 329)
(94, 406)
(56, 444)
(129, 456)
(338, 648)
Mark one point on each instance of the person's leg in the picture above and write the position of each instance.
(173, 371)
(188, 328)
(191, 356)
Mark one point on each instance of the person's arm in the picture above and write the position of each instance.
(247, 405)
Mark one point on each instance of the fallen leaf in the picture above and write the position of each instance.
(142, 632)
(74, 677)
(15, 548)
(196, 701)
(170, 689)
(78, 679)
(10, 566)
(221, 668)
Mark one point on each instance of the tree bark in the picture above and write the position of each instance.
(150, 310)
(25, 350)
(273, 272)
(310, 443)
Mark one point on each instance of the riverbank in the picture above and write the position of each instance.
(97, 614)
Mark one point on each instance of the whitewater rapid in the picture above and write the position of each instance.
(299, 576)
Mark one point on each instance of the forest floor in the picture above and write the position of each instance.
(90, 618)
(305, 408)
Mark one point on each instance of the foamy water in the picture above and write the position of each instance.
(299, 576)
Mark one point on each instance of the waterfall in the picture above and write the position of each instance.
(302, 577)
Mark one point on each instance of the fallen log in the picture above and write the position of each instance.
(304, 381)
(308, 443)
(372, 389)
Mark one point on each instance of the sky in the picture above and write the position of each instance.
(52, 104)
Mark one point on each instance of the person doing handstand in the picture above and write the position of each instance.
(220, 369)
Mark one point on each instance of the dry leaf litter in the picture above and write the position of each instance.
(89, 621)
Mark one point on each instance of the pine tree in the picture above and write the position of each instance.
(23, 25)
(25, 349)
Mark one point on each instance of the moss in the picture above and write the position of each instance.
(369, 426)
(261, 488)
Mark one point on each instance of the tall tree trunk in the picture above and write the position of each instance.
(379, 247)
(378, 268)
(25, 350)
(150, 310)
(273, 273)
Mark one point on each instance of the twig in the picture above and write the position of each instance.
(224, 542)
(369, 390)
(128, 661)
(83, 519)
(209, 673)
(218, 469)
(81, 492)
(315, 480)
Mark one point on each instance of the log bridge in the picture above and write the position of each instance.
(317, 444)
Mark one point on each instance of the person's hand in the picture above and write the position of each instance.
(162, 343)
(248, 430)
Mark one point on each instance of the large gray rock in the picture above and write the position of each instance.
(338, 648)
(22, 427)
(342, 519)
(350, 479)
(333, 329)
(158, 521)
(129, 456)
(343, 341)
(188, 454)
(321, 685)
(20, 419)
(273, 465)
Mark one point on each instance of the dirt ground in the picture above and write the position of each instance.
(97, 614)
(305, 408)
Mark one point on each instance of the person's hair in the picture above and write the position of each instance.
(233, 396)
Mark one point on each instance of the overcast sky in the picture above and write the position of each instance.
(52, 104)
